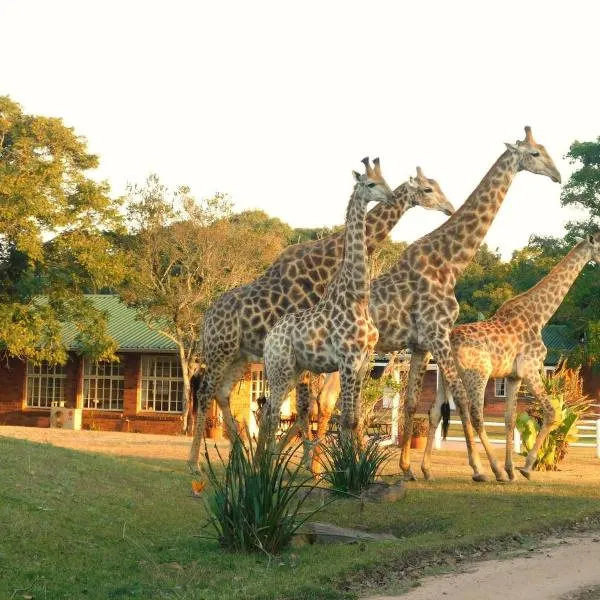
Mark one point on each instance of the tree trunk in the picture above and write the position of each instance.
(187, 390)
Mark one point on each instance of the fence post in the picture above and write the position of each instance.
(517, 441)
(597, 438)
(438, 437)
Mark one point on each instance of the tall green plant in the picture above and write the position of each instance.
(350, 466)
(565, 388)
(257, 505)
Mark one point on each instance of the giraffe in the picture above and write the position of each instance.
(236, 324)
(337, 334)
(413, 304)
(509, 344)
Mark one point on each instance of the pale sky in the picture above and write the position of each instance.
(276, 102)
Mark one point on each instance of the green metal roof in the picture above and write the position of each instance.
(559, 340)
(130, 333)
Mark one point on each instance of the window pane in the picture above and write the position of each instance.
(162, 384)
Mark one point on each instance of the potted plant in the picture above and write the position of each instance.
(214, 427)
(418, 441)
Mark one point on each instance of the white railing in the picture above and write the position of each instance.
(590, 437)
(590, 427)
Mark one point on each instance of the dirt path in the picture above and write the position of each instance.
(563, 569)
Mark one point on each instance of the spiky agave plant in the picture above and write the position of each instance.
(351, 466)
(257, 505)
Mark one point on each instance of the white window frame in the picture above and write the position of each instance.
(101, 376)
(48, 378)
(154, 384)
(502, 382)
(259, 385)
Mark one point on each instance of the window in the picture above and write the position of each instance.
(103, 385)
(259, 385)
(45, 384)
(162, 384)
(500, 387)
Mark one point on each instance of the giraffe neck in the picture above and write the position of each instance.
(382, 217)
(544, 298)
(458, 239)
(352, 278)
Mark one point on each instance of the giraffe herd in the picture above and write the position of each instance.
(315, 310)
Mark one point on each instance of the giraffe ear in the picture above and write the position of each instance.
(512, 147)
(356, 176)
(412, 182)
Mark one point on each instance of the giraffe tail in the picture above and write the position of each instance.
(445, 409)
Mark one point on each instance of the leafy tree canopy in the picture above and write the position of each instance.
(53, 219)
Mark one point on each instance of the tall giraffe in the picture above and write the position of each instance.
(413, 304)
(236, 324)
(337, 334)
(510, 345)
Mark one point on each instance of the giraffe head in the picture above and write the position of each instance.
(371, 186)
(593, 241)
(427, 193)
(533, 157)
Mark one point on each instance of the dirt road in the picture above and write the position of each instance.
(562, 569)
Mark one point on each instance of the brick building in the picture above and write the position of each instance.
(143, 391)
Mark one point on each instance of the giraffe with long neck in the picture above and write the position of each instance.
(337, 334)
(237, 323)
(510, 345)
(413, 305)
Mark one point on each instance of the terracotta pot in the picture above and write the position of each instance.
(418, 442)
(214, 433)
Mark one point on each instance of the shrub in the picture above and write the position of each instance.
(420, 427)
(565, 388)
(350, 466)
(257, 505)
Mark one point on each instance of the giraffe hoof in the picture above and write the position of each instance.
(502, 478)
(409, 476)
(480, 478)
(193, 467)
(426, 474)
(511, 474)
(525, 472)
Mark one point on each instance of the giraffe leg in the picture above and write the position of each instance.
(351, 384)
(475, 382)
(282, 374)
(418, 366)
(446, 363)
(231, 375)
(303, 409)
(212, 381)
(510, 416)
(326, 401)
(533, 381)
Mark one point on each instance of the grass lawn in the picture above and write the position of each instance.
(79, 525)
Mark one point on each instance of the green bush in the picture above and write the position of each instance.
(350, 466)
(565, 388)
(257, 505)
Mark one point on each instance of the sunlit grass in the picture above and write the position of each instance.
(76, 525)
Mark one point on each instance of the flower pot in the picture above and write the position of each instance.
(418, 442)
(214, 433)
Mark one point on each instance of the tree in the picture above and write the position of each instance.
(183, 253)
(53, 245)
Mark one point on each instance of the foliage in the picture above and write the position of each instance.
(374, 388)
(420, 427)
(386, 254)
(181, 254)
(565, 389)
(257, 506)
(483, 287)
(351, 466)
(53, 242)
